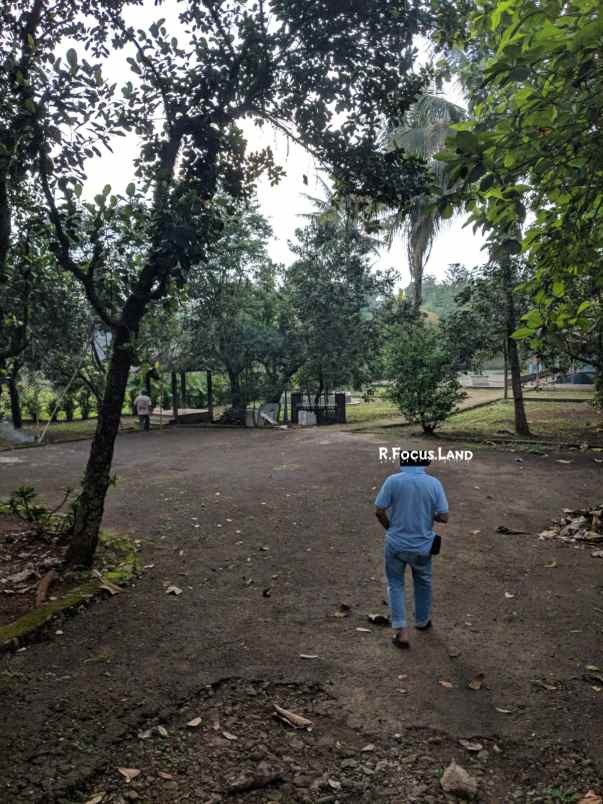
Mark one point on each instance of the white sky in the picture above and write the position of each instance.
(282, 204)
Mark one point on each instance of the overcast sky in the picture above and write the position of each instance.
(282, 204)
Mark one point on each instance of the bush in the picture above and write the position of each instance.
(69, 407)
(424, 382)
(51, 408)
(84, 400)
(32, 403)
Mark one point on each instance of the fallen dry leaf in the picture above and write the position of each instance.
(590, 797)
(229, 736)
(510, 531)
(509, 595)
(504, 711)
(161, 731)
(378, 619)
(593, 667)
(163, 775)
(443, 683)
(475, 532)
(292, 718)
(369, 748)
(561, 460)
(308, 656)
(551, 564)
(471, 746)
(194, 723)
(112, 588)
(173, 590)
(96, 799)
(343, 611)
(477, 682)
(364, 630)
(129, 773)
(549, 687)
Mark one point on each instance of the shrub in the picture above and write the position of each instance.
(51, 408)
(424, 382)
(84, 400)
(69, 407)
(32, 403)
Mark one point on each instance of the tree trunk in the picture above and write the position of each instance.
(416, 269)
(598, 395)
(521, 421)
(210, 397)
(506, 355)
(236, 395)
(96, 481)
(175, 396)
(183, 388)
(15, 399)
(321, 386)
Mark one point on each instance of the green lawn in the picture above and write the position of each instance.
(563, 421)
(368, 411)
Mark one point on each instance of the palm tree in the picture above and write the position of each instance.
(423, 133)
(340, 213)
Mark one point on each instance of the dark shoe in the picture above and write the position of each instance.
(400, 643)
(425, 627)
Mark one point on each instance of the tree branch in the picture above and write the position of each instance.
(63, 250)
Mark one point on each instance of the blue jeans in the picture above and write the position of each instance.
(395, 568)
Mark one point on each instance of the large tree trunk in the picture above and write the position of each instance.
(96, 481)
(416, 270)
(521, 421)
(15, 399)
(236, 395)
(506, 355)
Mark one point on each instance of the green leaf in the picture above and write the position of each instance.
(131, 189)
(71, 57)
(466, 141)
(559, 289)
(522, 333)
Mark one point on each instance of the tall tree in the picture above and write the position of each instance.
(239, 60)
(535, 147)
(423, 132)
(335, 293)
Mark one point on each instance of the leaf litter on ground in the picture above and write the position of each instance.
(577, 526)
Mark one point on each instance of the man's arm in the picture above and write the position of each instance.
(382, 516)
(441, 516)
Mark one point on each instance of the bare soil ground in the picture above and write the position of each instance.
(267, 534)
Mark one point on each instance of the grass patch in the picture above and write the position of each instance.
(369, 411)
(567, 421)
(575, 392)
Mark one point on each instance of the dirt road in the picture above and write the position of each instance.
(267, 533)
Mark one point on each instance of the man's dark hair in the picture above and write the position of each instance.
(414, 457)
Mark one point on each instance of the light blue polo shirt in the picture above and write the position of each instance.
(412, 497)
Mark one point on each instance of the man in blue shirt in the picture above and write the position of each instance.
(414, 500)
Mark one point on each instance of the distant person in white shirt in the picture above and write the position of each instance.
(142, 408)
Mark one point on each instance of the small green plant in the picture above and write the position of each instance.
(47, 523)
(560, 796)
(424, 383)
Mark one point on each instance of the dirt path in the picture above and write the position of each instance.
(226, 515)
